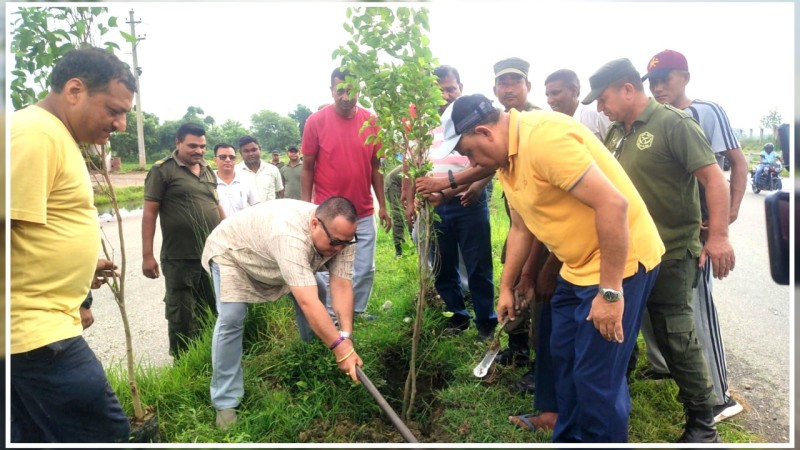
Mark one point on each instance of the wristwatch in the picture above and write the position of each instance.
(452, 179)
(611, 295)
(346, 335)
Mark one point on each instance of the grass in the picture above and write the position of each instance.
(133, 166)
(295, 393)
(125, 195)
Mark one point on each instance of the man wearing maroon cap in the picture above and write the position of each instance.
(668, 74)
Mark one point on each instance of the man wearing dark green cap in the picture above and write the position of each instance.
(511, 85)
(664, 152)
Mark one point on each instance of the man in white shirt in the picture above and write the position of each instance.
(235, 191)
(562, 89)
(266, 177)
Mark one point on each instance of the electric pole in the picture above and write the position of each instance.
(139, 113)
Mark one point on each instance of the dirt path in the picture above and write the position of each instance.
(124, 179)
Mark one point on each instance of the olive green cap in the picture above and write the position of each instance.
(609, 73)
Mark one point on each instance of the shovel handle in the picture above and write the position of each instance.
(401, 427)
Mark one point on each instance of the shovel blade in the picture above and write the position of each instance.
(482, 368)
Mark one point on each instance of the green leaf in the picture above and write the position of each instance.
(81, 29)
(128, 37)
(112, 21)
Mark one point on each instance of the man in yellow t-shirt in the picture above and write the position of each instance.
(564, 187)
(59, 390)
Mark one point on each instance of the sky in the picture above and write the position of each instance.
(235, 59)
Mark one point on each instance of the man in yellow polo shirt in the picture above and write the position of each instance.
(564, 187)
(59, 391)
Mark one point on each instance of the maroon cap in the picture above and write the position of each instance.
(660, 64)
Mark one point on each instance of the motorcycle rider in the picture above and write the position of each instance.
(768, 156)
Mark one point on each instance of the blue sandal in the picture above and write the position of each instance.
(523, 422)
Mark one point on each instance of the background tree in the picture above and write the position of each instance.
(229, 132)
(196, 115)
(125, 144)
(389, 60)
(300, 114)
(771, 120)
(274, 131)
(41, 36)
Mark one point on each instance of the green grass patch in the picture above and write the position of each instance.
(125, 195)
(294, 392)
(133, 166)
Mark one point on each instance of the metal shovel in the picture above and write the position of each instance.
(482, 368)
(396, 421)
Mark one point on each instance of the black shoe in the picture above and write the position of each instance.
(727, 410)
(526, 384)
(456, 324)
(699, 428)
(486, 331)
(398, 250)
(513, 356)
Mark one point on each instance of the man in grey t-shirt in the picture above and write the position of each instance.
(668, 74)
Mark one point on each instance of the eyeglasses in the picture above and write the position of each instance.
(336, 242)
(621, 142)
(224, 157)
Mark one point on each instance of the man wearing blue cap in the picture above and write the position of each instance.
(564, 187)
(664, 152)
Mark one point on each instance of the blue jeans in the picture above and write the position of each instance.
(545, 398)
(466, 229)
(591, 390)
(60, 394)
(227, 379)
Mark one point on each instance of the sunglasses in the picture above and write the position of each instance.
(224, 157)
(336, 242)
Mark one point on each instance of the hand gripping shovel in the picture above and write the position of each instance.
(401, 427)
(482, 368)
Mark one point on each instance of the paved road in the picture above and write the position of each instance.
(755, 316)
(754, 312)
(144, 301)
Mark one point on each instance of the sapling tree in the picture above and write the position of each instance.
(391, 66)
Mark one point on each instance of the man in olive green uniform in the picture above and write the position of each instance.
(664, 152)
(291, 174)
(182, 189)
(393, 187)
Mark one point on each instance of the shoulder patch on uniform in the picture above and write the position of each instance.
(162, 161)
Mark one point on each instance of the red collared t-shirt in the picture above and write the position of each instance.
(343, 162)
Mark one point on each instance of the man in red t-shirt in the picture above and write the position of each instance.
(336, 161)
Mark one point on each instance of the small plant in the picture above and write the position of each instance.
(390, 63)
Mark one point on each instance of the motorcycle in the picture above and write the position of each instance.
(770, 179)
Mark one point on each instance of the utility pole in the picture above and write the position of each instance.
(139, 113)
